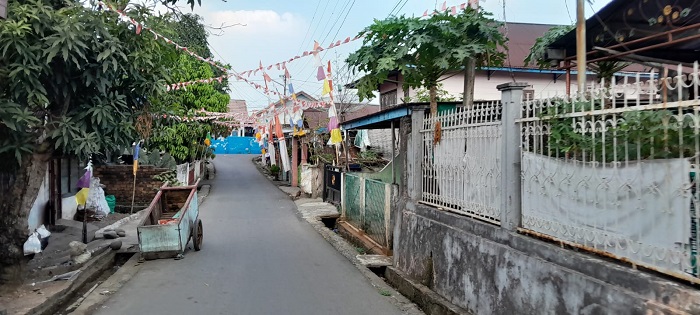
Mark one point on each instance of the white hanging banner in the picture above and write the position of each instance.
(284, 156)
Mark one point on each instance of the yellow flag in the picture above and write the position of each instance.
(81, 196)
(336, 137)
(326, 87)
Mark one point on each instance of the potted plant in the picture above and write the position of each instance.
(275, 171)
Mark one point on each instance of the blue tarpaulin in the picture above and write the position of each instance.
(236, 145)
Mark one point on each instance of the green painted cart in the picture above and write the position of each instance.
(172, 220)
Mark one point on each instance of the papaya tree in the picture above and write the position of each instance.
(72, 80)
(424, 50)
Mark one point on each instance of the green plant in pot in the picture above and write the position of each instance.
(275, 171)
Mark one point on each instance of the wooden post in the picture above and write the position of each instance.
(347, 150)
(567, 64)
(295, 162)
(304, 153)
(581, 45)
(469, 77)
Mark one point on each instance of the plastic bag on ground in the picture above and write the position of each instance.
(96, 199)
(32, 245)
(43, 232)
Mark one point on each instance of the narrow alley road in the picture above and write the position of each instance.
(258, 257)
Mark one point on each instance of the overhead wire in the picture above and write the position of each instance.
(336, 33)
(301, 44)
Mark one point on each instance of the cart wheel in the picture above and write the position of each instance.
(197, 235)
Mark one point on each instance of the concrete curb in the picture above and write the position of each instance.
(110, 286)
(203, 193)
(347, 250)
(211, 170)
(119, 223)
(89, 272)
(428, 300)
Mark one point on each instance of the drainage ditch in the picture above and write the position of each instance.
(79, 296)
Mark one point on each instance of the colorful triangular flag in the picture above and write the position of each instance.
(326, 87)
(320, 74)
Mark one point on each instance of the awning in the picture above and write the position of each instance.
(665, 30)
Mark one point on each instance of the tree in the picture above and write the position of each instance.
(183, 140)
(188, 30)
(424, 50)
(72, 80)
(196, 96)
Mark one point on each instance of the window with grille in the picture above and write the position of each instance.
(388, 99)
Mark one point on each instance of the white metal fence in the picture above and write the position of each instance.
(462, 172)
(614, 171)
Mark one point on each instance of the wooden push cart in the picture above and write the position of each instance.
(172, 220)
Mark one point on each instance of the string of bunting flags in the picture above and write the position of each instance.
(180, 85)
(282, 65)
(317, 48)
(279, 65)
(298, 105)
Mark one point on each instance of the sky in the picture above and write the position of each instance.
(272, 31)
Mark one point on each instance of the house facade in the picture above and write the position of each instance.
(522, 36)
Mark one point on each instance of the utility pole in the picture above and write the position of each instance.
(284, 86)
(581, 45)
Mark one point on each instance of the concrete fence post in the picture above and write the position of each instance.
(363, 206)
(511, 100)
(415, 156)
(387, 213)
(343, 197)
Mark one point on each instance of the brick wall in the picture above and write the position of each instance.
(119, 181)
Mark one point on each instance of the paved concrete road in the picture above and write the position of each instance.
(258, 257)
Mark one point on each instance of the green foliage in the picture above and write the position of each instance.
(638, 135)
(369, 155)
(274, 170)
(189, 31)
(184, 141)
(423, 95)
(193, 97)
(157, 159)
(604, 69)
(538, 50)
(72, 78)
(169, 178)
(425, 49)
